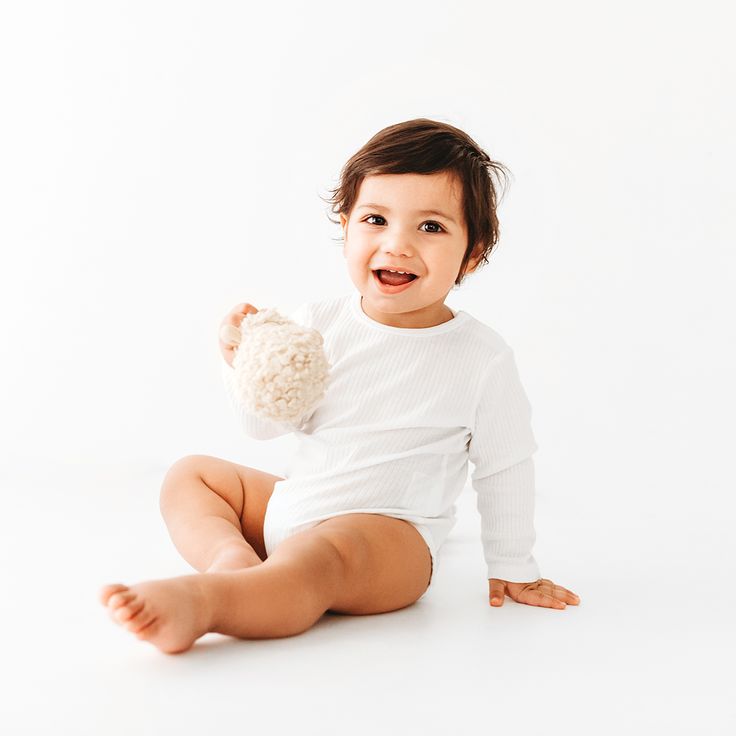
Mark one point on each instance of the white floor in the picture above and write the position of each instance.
(649, 650)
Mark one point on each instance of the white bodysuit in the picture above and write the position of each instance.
(403, 413)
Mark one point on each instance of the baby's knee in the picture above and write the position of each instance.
(187, 466)
(183, 470)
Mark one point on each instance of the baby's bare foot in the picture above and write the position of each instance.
(172, 613)
(234, 557)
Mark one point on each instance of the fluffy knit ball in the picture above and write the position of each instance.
(280, 368)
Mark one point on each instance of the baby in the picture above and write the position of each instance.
(416, 390)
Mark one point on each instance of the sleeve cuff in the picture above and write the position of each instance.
(525, 571)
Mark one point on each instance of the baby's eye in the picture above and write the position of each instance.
(429, 222)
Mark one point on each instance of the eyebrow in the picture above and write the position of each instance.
(374, 206)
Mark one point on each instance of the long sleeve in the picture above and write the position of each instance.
(254, 426)
(501, 449)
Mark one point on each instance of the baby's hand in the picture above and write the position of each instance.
(233, 320)
(540, 592)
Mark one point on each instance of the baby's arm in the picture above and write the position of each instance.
(505, 501)
(501, 448)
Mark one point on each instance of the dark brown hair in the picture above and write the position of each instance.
(423, 146)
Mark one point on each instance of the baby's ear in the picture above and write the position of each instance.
(475, 258)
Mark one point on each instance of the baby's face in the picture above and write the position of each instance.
(390, 226)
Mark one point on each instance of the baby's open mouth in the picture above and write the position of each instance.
(394, 279)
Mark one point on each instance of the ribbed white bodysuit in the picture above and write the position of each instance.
(404, 412)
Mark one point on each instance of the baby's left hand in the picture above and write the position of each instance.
(540, 592)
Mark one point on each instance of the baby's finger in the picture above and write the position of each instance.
(543, 593)
(245, 308)
(559, 592)
(230, 335)
(238, 314)
(536, 597)
(497, 592)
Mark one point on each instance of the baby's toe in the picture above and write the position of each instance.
(143, 626)
(128, 609)
(107, 591)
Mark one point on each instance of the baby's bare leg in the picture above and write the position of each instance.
(198, 502)
(284, 596)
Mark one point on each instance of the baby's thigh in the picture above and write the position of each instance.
(388, 564)
(246, 490)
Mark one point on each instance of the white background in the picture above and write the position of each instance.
(161, 162)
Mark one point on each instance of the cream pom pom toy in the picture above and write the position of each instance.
(280, 368)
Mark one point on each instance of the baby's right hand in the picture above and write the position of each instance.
(233, 319)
